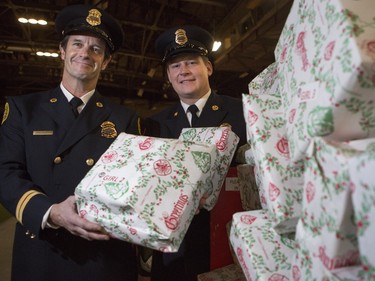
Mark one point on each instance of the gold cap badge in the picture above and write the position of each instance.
(108, 130)
(181, 37)
(94, 17)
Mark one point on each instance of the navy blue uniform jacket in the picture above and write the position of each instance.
(193, 257)
(44, 154)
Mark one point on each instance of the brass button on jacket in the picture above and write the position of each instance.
(90, 162)
(57, 160)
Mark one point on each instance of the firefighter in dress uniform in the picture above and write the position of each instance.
(45, 151)
(185, 52)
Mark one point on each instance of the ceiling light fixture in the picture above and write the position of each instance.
(47, 54)
(32, 21)
(216, 46)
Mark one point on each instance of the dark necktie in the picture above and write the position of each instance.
(75, 102)
(194, 117)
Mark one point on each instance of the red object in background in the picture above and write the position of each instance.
(229, 202)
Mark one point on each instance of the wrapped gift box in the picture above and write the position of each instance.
(278, 178)
(327, 59)
(332, 222)
(262, 253)
(230, 272)
(146, 190)
(327, 212)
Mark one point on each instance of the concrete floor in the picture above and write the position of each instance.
(6, 243)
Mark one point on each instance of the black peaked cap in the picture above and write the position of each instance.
(184, 39)
(86, 18)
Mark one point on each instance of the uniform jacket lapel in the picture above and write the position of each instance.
(177, 120)
(94, 113)
(213, 112)
(57, 107)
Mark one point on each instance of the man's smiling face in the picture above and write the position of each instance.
(83, 57)
(189, 75)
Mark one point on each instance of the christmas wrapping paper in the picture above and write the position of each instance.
(327, 213)
(264, 82)
(312, 262)
(262, 253)
(249, 191)
(332, 220)
(146, 190)
(226, 143)
(278, 178)
(362, 175)
(350, 273)
(231, 272)
(326, 53)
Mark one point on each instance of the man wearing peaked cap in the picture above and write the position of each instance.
(47, 146)
(185, 52)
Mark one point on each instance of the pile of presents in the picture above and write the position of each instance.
(311, 126)
(304, 207)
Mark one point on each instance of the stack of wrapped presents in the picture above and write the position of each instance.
(311, 132)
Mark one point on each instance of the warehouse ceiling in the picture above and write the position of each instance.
(249, 31)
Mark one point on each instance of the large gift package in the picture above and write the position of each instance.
(334, 236)
(278, 178)
(262, 253)
(146, 190)
(327, 59)
(326, 230)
